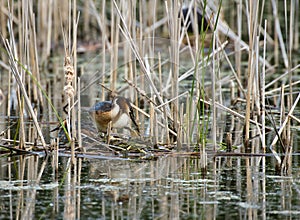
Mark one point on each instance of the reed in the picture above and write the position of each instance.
(156, 70)
(15, 64)
(70, 67)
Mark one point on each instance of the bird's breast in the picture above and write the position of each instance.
(122, 121)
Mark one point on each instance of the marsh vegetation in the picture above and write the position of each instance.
(214, 87)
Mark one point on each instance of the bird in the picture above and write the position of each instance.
(117, 111)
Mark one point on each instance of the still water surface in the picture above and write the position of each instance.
(166, 188)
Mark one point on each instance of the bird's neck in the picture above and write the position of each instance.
(115, 110)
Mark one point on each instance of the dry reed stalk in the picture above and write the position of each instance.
(71, 76)
(35, 65)
(37, 98)
(78, 193)
(136, 52)
(48, 39)
(186, 22)
(128, 60)
(187, 127)
(180, 131)
(297, 24)
(279, 34)
(133, 63)
(223, 28)
(75, 19)
(185, 123)
(291, 30)
(163, 125)
(164, 107)
(290, 58)
(14, 63)
(174, 27)
(21, 127)
(233, 113)
(256, 95)
(152, 20)
(87, 18)
(44, 28)
(232, 92)
(193, 128)
(106, 45)
(104, 42)
(142, 25)
(200, 65)
(114, 34)
(22, 55)
(252, 28)
(286, 73)
(79, 116)
(214, 113)
(237, 45)
(262, 95)
(171, 100)
(282, 127)
(3, 19)
(295, 118)
(5, 98)
(199, 37)
(151, 123)
(287, 161)
(284, 135)
(282, 104)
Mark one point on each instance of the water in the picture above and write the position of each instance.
(160, 184)
(169, 187)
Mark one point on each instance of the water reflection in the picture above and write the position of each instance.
(167, 188)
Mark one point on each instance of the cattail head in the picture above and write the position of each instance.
(69, 76)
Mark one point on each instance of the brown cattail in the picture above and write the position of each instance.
(69, 75)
